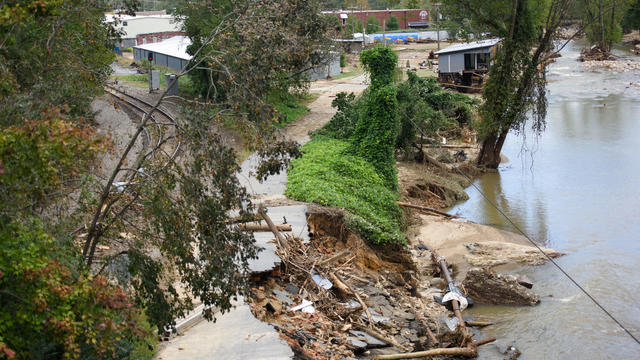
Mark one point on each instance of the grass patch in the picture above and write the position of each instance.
(426, 73)
(347, 74)
(142, 81)
(326, 174)
(291, 106)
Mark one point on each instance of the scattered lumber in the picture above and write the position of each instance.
(340, 284)
(479, 323)
(425, 208)
(451, 146)
(264, 227)
(485, 341)
(241, 219)
(459, 351)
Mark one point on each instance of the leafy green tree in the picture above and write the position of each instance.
(631, 18)
(393, 24)
(50, 311)
(373, 25)
(602, 20)
(354, 25)
(174, 206)
(52, 52)
(516, 85)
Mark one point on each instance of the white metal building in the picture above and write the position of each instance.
(133, 26)
(467, 56)
(171, 53)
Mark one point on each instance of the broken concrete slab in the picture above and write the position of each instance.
(295, 215)
(235, 335)
(371, 341)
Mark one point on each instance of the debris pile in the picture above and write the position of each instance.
(486, 286)
(338, 297)
(595, 53)
(612, 65)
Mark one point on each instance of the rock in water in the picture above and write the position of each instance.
(484, 285)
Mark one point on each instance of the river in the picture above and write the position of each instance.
(575, 189)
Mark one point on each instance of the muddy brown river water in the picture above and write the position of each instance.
(575, 189)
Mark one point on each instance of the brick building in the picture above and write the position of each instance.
(408, 18)
(155, 37)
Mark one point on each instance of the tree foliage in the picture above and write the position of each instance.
(229, 39)
(51, 311)
(52, 52)
(151, 222)
(373, 25)
(516, 84)
(393, 24)
(426, 108)
(377, 127)
(602, 20)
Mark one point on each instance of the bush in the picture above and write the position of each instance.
(343, 60)
(393, 23)
(51, 310)
(343, 123)
(373, 25)
(328, 174)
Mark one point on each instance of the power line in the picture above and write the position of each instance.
(540, 249)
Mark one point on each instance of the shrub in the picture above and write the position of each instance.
(343, 123)
(373, 24)
(393, 23)
(328, 174)
(52, 310)
(343, 60)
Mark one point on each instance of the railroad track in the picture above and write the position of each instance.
(161, 134)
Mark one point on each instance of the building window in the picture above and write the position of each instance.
(483, 61)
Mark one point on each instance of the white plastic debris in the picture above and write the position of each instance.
(321, 281)
(455, 296)
(306, 307)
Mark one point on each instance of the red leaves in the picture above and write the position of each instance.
(6, 351)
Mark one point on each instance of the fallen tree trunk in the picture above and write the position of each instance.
(465, 351)
(264, 227)
(425, 208)
(282, 242)
(435, 162)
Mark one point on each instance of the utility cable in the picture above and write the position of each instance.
(540, 249)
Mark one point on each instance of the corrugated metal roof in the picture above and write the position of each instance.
(469, 46)
(175, 46)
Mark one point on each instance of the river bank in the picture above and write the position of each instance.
(573, 189)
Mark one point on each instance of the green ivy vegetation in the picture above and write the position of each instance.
(377, 126)
(327, 174)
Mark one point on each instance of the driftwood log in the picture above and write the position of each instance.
(264, 227)
(460, 351)
(425, 208)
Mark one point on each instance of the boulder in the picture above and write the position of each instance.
(484, 285)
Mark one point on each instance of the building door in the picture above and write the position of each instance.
(469, 61)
